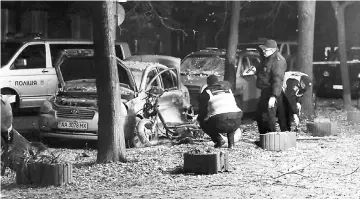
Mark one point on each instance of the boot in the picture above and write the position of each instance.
(219, 142)
(231, 141)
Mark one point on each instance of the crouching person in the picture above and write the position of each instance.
(218, 112)
(294, 86)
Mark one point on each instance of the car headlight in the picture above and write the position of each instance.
(326, 74)
(46, 107)
(359, 75)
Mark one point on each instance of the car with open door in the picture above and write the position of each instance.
(73, 112)
(197, 66)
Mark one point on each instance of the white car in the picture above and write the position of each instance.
(27, 67)
(73, 113)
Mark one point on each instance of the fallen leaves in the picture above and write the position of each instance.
(316, 168)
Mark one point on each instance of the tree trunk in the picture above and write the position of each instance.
(306, 14)
(339, 15)
(111, 142)
(230, 61)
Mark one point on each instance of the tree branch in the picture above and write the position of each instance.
(163, 23)
(222, 26)
(137, 3)
(276, 14)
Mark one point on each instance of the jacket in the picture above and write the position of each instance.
(271, 74)
(216, 99)
(292, 89)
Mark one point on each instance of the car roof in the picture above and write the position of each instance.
(222, 52)
(262, 42)
(134, 65)
(141, 65)
(53, 40)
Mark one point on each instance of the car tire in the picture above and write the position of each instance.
(143, 132)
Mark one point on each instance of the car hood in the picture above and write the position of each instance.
(87, 88)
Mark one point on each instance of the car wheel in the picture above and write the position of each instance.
(144, 132)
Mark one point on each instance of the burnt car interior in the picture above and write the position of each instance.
(76, 68)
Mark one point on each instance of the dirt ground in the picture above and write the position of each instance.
(325, 168)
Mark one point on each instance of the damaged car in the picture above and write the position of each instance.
(197, 66)
(73, 112)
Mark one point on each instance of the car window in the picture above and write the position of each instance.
(245, 63)
(8, 49)
(33, 56)
(169, 79)
(149, 77)
(124, 78)
(249, 65)
(204, 64)
(254, 61)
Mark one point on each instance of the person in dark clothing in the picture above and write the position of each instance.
(270, 77)
(218, 112)
(294, 86)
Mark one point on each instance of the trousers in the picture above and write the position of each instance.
(266, 117)
(222, 123)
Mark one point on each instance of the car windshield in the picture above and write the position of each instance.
(82, 68)
(8, 49)
(137, 74)
(204, 64)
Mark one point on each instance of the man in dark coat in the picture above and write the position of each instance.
(218, 112)
(270, 77)
(294, 86)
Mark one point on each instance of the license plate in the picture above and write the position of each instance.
(73, 125)
(338, 87)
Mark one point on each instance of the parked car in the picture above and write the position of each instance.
(27, 67)
(328, 75)
(197, 66)
(73, 113)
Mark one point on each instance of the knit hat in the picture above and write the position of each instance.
(212, 79)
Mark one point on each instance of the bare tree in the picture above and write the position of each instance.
(111, 141)
(306, 15)
(339, 9)
(230, 61)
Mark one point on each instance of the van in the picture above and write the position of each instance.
(27, 70)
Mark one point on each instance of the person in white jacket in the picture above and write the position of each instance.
(218, 111)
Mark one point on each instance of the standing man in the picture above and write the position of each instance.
(218, 112)
(294, 86)
(270, 78)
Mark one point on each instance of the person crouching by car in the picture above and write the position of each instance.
(294, 86)
(218, 112)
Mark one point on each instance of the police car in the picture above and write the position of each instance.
(27, 67)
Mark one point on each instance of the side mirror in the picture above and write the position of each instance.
(20, 63)
(249, 71)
